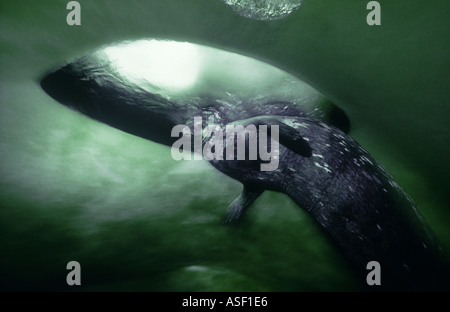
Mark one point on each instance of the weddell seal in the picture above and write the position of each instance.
(353, 199)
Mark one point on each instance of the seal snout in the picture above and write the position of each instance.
(59, 85)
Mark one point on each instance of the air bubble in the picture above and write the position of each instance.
(264, 9)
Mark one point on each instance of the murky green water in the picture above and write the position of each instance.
(135, 219)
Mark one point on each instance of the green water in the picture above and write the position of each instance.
(135, 219)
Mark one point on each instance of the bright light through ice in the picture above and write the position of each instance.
(164, 64)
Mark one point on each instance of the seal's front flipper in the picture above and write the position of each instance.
(290, 131)
(292, 139)
(240, 204)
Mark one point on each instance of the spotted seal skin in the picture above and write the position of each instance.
(352, 197)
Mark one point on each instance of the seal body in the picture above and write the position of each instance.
(353, 199)
(321, 168)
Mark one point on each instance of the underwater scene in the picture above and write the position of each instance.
(99, 98)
